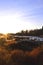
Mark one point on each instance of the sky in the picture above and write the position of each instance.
(17, 15)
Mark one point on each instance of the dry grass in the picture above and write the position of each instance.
(20, 57)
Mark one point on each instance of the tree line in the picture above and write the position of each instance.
(35, 32)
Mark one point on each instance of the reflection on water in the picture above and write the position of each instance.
(36, 38)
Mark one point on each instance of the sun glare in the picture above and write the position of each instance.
(13, 24)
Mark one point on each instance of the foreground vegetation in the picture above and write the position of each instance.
(21, 53)
(19, 57)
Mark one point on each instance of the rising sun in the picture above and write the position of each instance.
(13, 24)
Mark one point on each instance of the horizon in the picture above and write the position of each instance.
(17, 15)
(21, 31)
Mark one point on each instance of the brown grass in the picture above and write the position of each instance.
(20, 57)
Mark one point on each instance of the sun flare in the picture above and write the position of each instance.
(13, 24)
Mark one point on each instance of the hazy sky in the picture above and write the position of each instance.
(17, 15)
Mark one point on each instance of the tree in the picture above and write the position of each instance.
(26, 32)
(42, 27)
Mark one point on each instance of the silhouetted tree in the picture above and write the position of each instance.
(42, 27)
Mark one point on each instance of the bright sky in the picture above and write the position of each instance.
(17, 15)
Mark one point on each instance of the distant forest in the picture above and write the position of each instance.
(35, 32)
